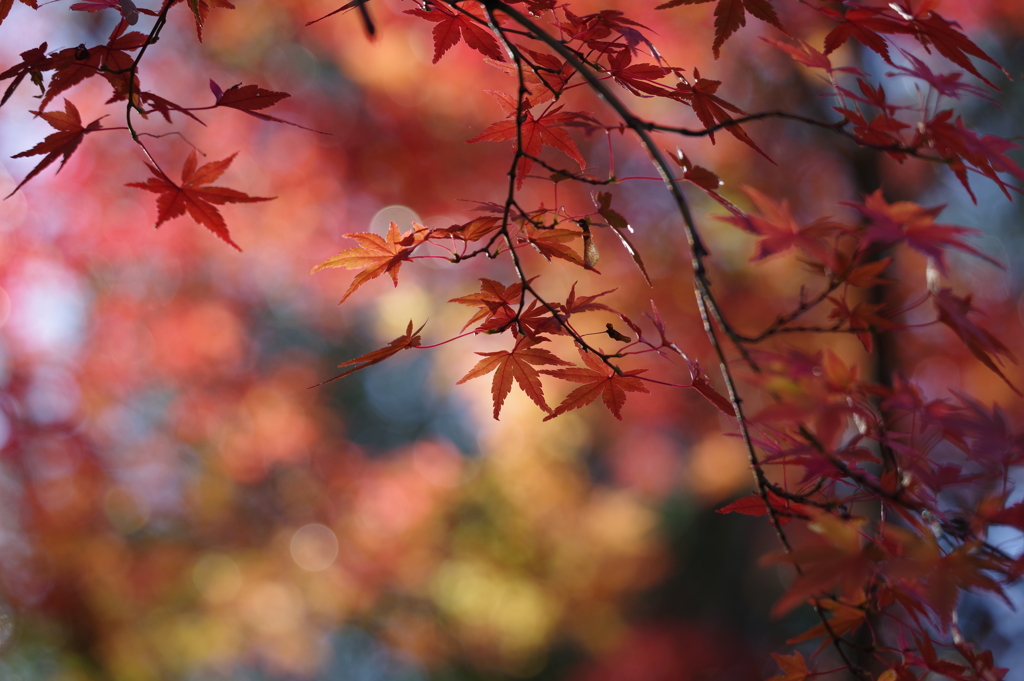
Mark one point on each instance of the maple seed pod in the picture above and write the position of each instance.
(590, 253)
(615, 334)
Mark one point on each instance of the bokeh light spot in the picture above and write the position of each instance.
(314, 547)
(403, 216)
(217, 578)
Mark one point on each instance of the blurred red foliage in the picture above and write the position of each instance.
(177, 503)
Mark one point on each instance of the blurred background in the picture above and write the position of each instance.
(177, 503)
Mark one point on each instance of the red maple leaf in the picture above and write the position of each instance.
(1011, 515)
(454, 26)
(375, 255)
(73, 65)
(596, 30)
(164, 107)
(953, 312)
(537, 6)
(117, 64)
(864, 319)
(959, 570)
(545, 75)
(712, 109)
(779, 230)
(883, 129)
(61, 143)
(246, 98)
(956, 144)
(947, 85)
(753, 505)
(640, 79)
(411, 339)
(32, 62)
(906, 221)
(517, 365)
(547, 130)
(867, 25)
(699, 380)
(250, 99)
(5, 7)
(364, 16)
(127, 8)
(993, 437)
(730, 16)
(194, 196)
(931, 29)
(201, 9)
(810, 57)
(600, 380)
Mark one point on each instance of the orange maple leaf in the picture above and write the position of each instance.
(552, 243)
(575, 304)
(845, 619)
(474, 229)
(411, 339)
(794, 667)
(193, 196)
(375, 255)
(868, 274)
(61, 143)
(495, 303)
(518, 365)
(833, 561)
(499, 309)
(600, 380)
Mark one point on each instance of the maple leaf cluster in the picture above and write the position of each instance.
(840, 437)
(114, 61)
(848, 569)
